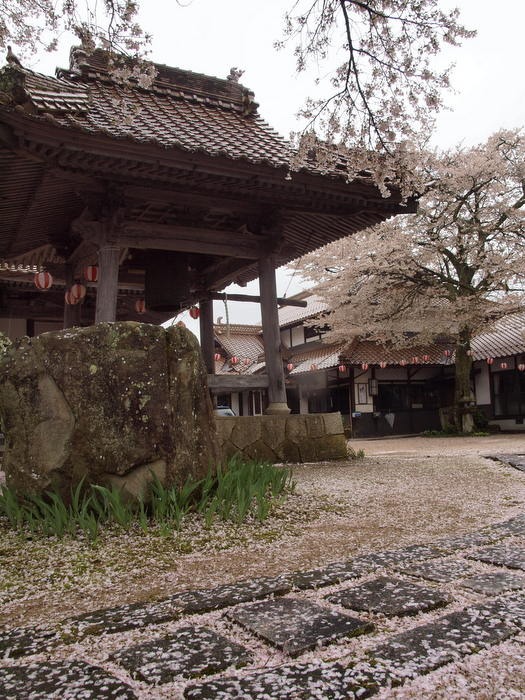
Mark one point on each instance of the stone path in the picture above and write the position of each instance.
(343, 607)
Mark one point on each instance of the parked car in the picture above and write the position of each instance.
(223, 411)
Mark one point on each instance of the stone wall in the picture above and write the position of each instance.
(293, 438)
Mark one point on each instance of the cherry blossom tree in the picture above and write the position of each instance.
(111, 24)
(449, 271)
(382, 84)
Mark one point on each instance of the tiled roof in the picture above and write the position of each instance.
(244, 342)
(315, 359)
(291, 315)
(181, 109)
(366, 351)
(506, 338)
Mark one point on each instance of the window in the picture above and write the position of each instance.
(509, 393)
(405, 397)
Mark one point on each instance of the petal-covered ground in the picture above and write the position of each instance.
(427, 494)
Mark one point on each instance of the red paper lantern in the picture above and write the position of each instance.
(342, 368)
(195, 312)
(448, 353)
(217, 357)
(313, 367)
(91, 273)
(234, 360)
(289, 366)
(470, 352)
(43, 281)
(521, 367)
(490, 360)
(415, 360)
(70, 298)
(247, 361)
(78, 291)
(503, 365)
(140, 306)
(364, 366)
(402, 363)
(382, 364)
(425, 358)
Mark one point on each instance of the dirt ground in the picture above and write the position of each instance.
(436, 446)
(404, 491)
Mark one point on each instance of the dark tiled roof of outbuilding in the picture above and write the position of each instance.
(291, 315)
(507, 337)
(181, 109)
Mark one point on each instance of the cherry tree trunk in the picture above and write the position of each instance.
(464, 400)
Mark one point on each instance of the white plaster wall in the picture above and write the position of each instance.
(482, 384)
(508, 424)
(297, 335)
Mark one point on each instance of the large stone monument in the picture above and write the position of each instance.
(113, 403)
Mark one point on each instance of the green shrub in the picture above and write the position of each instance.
(235, 492)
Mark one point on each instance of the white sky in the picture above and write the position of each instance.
(208, 36)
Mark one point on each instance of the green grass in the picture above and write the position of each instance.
(235, 492)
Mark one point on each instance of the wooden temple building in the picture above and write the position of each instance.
(172, 191)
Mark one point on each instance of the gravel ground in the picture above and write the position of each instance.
(404, 491)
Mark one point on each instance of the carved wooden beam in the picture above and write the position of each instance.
(191, 240)
(222, 383)
(282, 301)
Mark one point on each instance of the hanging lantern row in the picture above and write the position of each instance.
(470, 352)
(195, 312)
(91, 273)
(447, 353)
(43, 281)
(521, 367)
(234, 360)
(342, 369)
(70, 298)
(490, 360)
(217, 357)
(313, 367)
(364, 366)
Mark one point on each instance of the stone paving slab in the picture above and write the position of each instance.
(516, 461)
(513, 526)
(506, 554)
(298, 682)
(295, 626)
(396, 557)
(510, 608)
(494, 583)
(442, 571)
(24, 641)
(425, 648)
(471, 539)
(390, 596)
(139, 615)
(67, 680)
(189, 653)
(327, 576)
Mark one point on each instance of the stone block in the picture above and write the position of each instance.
(67, 680)
(390, 596)
(295, 626)
(189, 652)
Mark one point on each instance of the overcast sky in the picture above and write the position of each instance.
(208, 36)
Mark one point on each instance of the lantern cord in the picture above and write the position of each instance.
(227, 313)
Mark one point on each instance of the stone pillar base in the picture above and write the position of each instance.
(275, 409)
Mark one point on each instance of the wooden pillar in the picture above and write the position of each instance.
(206, 329)
(107, 289)
(71, 311)
(272, 337)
